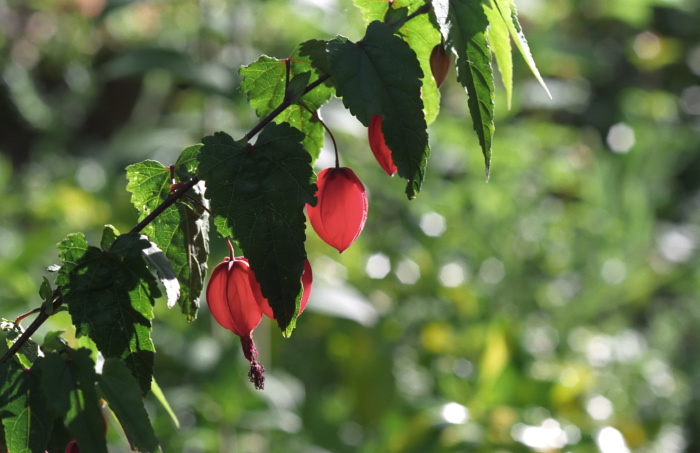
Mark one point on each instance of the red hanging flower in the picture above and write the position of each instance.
(341, 210)
(306, 283)
(234, 304)
(439, 64)
(378, 146)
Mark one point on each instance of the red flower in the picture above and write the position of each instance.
(234, 304)
(378, 146)
(306, 282)
(439, 64)
(341, 210)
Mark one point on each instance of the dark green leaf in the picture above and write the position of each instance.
(54, 342)
(23, 410)
(296, 87)
(264, 83)
(123, 395)
(110, 298)
(422, 35)
(380, 75)
(258, 194)
(70, 383)
(182, 230)
(29, 351)
(463, 25)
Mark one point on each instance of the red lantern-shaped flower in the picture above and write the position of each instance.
(306, 283)
(234, 304)
(439, 64)
(378, 146)
(341, 210)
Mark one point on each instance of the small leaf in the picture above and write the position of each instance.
(380, 75)
(264, 83)
(510, 17)
(53, 342)
(29, 351)
(296, 87)
(463, 25)
(157, 392)
(165, 271)
(258, 194)
(109, 235)
(25, 418)
(122, 393)
(110, 298)
(70, 383)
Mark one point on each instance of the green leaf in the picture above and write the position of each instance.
(23, 410)
(29, 351)
(258, 193)
(160, 396)
(296, 86)
(421, 35)
(510, 16)
(499, 39)
(70, 385)
(182, 230)
(463, 25)
(54, 342)
(110, 297)
(122, 393)
(380, 75)
(264, 83)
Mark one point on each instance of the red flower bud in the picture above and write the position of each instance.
(378, 146)
(306, 282)
(234, 304)
(72, 447)
(439, 64)
(341, 210)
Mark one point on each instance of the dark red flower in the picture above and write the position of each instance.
(234, 304)
(378, 146)
(341, 210)
(439, 64)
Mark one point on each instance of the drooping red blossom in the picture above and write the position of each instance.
(234, 304)
(439, 64)
(341, 210)
(378, 146)
(72, 447)
(306, 282)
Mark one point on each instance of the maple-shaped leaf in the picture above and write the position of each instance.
(69, 385)
(380, 75)
(463, 24)
(182, 230)
(258, 193)
(265, 84)
(25, 418)
(110, 295)
(420, 33)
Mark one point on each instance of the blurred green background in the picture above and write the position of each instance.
(554, 308)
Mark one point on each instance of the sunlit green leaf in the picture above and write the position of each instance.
(499, 39)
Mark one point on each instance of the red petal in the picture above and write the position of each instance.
(217, 295)
(378, 146)
(306, 281)
(341, 210)
(242, 303)
(439, 64)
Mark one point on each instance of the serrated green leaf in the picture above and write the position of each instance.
(109, 235)
(264, 83)
(110, 296)
(258, 194)
(29, 351)
(510, 16)
(70, 384)
(166, 274)
(381, 76)
(182, 230)
(122, 393)
(499, 39)
(420, 33)
(23, 411)
(463, 25)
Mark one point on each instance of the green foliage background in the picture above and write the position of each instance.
(563, 294)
